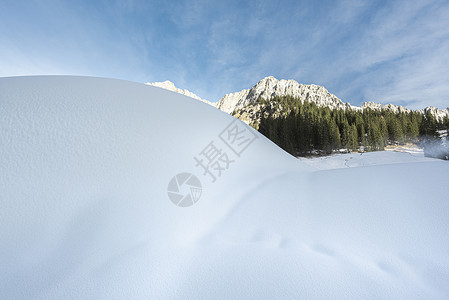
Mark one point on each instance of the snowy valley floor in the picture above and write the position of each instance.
(392, 155)
(87, 205)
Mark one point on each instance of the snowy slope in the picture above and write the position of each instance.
(353, 160)
(86, 163)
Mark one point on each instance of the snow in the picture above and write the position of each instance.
(353, 160)
(85, 212)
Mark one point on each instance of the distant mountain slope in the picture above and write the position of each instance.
(244, 102)
(168, 85)
(270, 87)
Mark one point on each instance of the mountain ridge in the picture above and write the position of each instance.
(168, 85)
(269, 86)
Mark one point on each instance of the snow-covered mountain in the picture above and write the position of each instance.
(244, 102)
(269, 87)
(95, 173)
(168, 85)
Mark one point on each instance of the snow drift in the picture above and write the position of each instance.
(85, 213)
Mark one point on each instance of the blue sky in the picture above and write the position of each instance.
(384, 51)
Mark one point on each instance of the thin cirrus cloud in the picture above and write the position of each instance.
(383, 51)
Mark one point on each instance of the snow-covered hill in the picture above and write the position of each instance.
(92, 169)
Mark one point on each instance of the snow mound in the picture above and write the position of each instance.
(93, 170)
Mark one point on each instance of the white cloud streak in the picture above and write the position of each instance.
(393, 51)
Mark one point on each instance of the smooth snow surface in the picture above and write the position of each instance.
(353, 160)
(85, 164)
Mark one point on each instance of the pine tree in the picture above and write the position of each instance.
(353, 138)
(300, 126)
(429, 126)
(345, 134)
(334, 135)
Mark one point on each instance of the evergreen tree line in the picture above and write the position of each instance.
(303, 127)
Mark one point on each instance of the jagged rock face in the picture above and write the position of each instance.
(271, 87)
(244, 104)
(391, 107)
(168, 85)
(231, 101)
(438, 113)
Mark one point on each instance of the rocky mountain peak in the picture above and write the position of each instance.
(270, 87)
(391, 107)
(439, 114)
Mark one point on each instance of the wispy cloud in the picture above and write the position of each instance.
(387, 51)
(402, 55)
